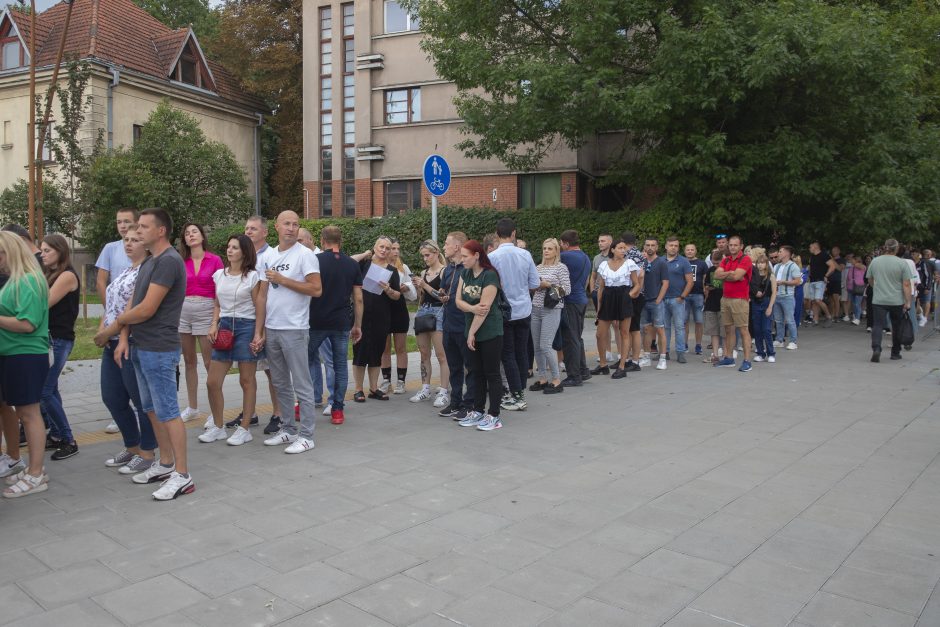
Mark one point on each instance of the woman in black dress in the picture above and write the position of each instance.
(401, 321)
(376, 323)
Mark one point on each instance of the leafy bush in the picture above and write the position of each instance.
(533, 225)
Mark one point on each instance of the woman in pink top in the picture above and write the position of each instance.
(198, 308)
(855, 286)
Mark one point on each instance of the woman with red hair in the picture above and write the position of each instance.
(477, 297)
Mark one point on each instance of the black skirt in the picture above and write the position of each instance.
(616, 304)
(401, 322)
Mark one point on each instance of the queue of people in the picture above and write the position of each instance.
(493, 318)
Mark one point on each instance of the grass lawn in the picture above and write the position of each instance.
(85, 348)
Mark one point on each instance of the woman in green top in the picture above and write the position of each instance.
(476, 296)
(24, 354)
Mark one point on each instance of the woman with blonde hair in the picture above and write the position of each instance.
(398, 331)
(547, 304)
(429, 323)
(24, 355)
(63, 311)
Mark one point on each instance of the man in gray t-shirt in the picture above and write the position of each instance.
(153, 319)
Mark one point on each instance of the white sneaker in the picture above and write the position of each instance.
(645, 361)
(173, 487)
(136, 465)
(156, 472)
(856, 322)
(561, 366)
(778, 344)
(300, 445)
(771, 359)
(112, 427)
(610, 357)
(9, 466)
(845, 318)
(662, 363)
(210, 422)
(423, 394)
(189, 413)
(399, 387)
(757, 358)
(921, 320)
(328, 409)
(473, 419)
(489, 423)
(734, 354)
(384, 386)
(213, 434)
(721, 352)
(442, 399)
(241, 436)
(791, 346)
(281, 437)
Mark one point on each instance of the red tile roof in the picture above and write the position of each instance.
(121, 33)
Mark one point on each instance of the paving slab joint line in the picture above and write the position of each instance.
(721, 618)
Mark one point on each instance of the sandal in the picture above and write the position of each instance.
(27, 484)
(378, 395)
(359, 397)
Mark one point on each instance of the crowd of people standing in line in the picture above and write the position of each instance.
(493, 318)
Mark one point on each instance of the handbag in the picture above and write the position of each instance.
(858, 290)
(425, 324)
(553, 296)
(906, 332)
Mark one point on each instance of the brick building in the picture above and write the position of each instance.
(374, 109)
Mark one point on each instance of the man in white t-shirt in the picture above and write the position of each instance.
(293, 272)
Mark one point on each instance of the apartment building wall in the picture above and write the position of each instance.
(390, 153)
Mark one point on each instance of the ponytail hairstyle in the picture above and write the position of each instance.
(59, 244)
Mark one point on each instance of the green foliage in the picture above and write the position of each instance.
(14, 207)
(532, 225)
(172, 166)
(183, 13)
(783, 120)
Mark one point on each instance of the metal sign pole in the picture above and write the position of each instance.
(433, 218)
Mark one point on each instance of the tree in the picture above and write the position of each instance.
(172, 166)
(183, 13)
(14, 207)
(261, 42)
(779, 119)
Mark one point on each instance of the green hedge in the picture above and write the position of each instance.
(533, 225)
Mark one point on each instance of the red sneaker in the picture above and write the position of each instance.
(336, 417)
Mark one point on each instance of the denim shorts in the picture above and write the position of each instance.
(695, 308)
(156, 379)
(437, 312)
(241, 350)
(815, 290)
(653, 314)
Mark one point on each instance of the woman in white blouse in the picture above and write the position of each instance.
(617, 286)
(240, 298)
(545, 319)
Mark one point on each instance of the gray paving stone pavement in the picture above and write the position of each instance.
(803, 493)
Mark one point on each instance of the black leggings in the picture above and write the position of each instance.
(484, 363)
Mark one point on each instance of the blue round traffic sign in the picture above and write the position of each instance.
(436, 175)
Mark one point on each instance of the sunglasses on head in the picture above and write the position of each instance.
(721, 236)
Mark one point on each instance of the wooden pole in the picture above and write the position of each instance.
(31, 139)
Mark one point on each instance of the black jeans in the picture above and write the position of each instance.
(572, 328)
(896, 313)
(458, 360)
(516, 352)
(484, 363)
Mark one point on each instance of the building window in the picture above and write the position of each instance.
(7, 133)
(349, 198)
(349, 113)
(348, 18)
(397, 19)
(11, 54)
(137, 131)
(326, 199)
(402, 196)
(326, 111)
(539, 190)
(403, 105)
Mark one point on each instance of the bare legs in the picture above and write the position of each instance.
(188, 342)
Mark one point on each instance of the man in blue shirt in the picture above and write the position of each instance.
(695, 301)
(680, 284)
(572, 316)
(652, 319)
(455, 341)
(518, 278)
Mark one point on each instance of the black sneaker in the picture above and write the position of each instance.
(52, 444)
(538, 386)
(274, 425)
(448, 411)
(65, 451)
(461, 414)
(601, 370)
(553, 389)
(619, 374)
(237, 422)
(586, 375)
(631, 366)
(571, 383)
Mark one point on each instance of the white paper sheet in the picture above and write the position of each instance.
(375, 275)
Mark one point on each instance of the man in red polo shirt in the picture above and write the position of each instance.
(735, 270)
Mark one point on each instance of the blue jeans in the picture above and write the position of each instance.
(51, 401)
(156, 381)
(333, 347)
(784, 312)
(317, 364)
(675, 319)
(763, 340)
(458, 361)
(857, 305)
(695, 308)
(118, 390)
